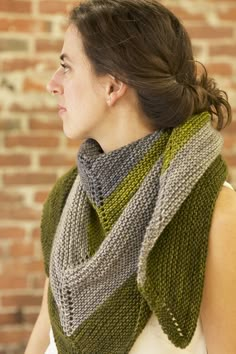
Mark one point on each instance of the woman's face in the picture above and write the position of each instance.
(81, 95)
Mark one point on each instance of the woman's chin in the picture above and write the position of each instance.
(72, 135)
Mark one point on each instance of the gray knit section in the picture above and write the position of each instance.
(81, 287)
(70, 242)
(176, 184)
(101, 173)
(75, 213)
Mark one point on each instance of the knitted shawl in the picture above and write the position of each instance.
(128, 236)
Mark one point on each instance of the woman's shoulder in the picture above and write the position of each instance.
(222, 236)
(225, 210)
(223, 227)
(218, 309)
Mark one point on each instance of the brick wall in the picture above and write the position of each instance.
(33, 150)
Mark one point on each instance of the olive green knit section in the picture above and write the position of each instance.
(188, 130)
(64, 344)
(52, 212)
(169, 270)
(110, 333)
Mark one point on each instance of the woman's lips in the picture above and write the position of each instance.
(61, 109)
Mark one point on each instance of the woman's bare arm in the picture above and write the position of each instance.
(39, 339)
(218, 309)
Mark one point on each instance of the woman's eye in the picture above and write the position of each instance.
(65, 67)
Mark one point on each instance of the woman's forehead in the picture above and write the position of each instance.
(72, 47)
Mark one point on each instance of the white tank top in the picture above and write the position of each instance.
(153, 340)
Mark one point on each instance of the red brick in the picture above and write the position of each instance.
(14, 160)
(12, 232)
(21, 300)
(17, 6)
(231, 129)
(224, 49)
(24, 25)
(186, 15)
(11, 318)
(31, 85)
(30, 178)
(49, 45)
(18, 64)
(10, 197)
(229, 15)
(31, 141)
(230, 160)
(30, 317)
(229, 141)
(19, 213)
(38, 282)
(6, 319)
(219, 69)
(49, 124)
(207, 32)
(57, 160)
(21, 249)
(233, 85)
(13, 336)
(55, 7)
(12, 282)
(23, 267)
(2, 251)
(40, 197)
(36, 233)
(36, 266)
(73, 143)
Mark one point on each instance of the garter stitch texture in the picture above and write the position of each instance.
(128, 236)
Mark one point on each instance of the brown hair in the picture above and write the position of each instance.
(144, 45)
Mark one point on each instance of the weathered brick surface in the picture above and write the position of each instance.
(30, 178)
(33, 150)
(12, 141)
(15, 6)
(14, 160)
(9, 232)
(14, 45)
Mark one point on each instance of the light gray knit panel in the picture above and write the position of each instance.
(176, 184)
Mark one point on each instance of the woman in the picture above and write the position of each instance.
(139, 245)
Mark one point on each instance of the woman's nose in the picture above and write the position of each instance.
(54, 87)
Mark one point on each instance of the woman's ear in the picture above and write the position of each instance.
(115, 90)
